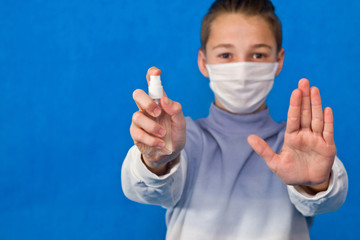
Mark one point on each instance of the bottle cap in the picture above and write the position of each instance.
(155, 88)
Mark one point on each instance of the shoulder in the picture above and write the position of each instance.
(194, 128)
(195, 135)
(193, 131)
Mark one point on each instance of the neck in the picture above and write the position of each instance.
(219, 105)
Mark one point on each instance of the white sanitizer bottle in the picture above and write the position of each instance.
(156, 92)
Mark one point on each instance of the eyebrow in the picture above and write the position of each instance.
(260, 45)
(224, 45)
(228, 45)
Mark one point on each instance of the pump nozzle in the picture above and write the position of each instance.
(155, 88)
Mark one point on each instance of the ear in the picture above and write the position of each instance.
(202, 63)
(280, 61)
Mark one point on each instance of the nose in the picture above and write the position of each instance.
(241, 57)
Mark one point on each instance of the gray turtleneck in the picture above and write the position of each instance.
(222, 189)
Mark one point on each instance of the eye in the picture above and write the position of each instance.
(225, 55)
(258, 56)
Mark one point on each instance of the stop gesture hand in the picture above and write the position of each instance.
(309, 149)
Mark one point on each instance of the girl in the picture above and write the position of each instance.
(237, 174)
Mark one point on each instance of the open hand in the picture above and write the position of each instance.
(309, 149)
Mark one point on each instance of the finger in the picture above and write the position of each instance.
(148, 125)
(328, 133)
(305, 103)
(141, 137)
(317, 118)
(263, 150)
(152, 71)
(144, 102)
(294, 113)
(172, 108)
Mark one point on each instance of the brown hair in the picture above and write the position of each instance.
(263, 8)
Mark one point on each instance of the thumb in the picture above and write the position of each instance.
(152, 71)
(172, 108)
(263, 150)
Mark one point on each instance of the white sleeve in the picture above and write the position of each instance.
(141, 185)
(326, 201)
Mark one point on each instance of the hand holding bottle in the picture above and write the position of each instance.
(158, 128)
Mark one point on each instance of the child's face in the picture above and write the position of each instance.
(235, 37)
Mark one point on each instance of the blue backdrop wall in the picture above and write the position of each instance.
(67, 72)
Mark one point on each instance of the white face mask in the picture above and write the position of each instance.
(242, 87)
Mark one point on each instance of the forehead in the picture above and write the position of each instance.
(240, 29)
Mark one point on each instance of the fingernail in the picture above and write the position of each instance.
(157, 111)
(162, 132)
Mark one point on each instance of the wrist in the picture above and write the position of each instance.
(161, 169)
(314, 189)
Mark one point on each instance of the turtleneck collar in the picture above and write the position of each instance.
(257, 123)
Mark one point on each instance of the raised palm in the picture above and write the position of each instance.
(309, 149)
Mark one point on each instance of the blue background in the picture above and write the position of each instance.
(67, 72)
